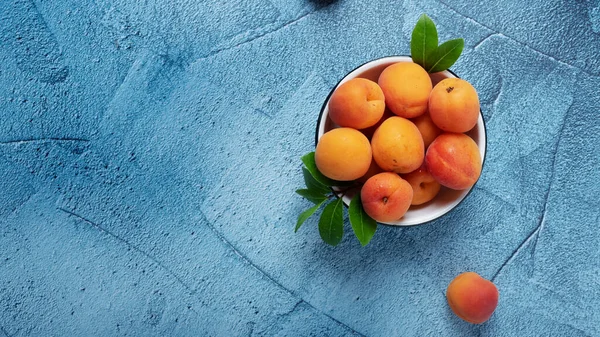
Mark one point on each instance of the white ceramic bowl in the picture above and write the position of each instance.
(447, 199)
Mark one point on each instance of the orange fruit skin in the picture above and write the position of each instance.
(358, 103)
(343, 154)
(453, 159)
(386, 197)
(406, 87)
(424, 185)
(472, 298)
(429, 131)
(398, 146)
(454, 105)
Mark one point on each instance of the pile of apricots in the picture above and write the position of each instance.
(402, 138)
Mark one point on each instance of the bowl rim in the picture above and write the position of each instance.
(402, 58)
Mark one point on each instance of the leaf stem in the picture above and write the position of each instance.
(341, 193)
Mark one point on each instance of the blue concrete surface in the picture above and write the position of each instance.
(149, 153)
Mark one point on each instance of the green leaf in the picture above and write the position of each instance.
(331, 223)
(444, 56)
(311, 195)
(424, 40)
(312, 184)
(306, 214)
(309, 161)
(363, 225)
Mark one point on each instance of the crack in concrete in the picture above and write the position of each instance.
(44, 21)
(132, 246)
(42, 140)
(553, 58)
(546, 197)
(264, 113)
(536, 232)
(17, 207)
(563, 297)
(117, 91)
(515, 252)
(294, 308)
(497, 99)
(36, 46)
(485, 39)
(268, 32)
(583, 332)
(539, 229)
(495, 196)
(249, 262)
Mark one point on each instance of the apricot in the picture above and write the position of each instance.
(424, 185)
(454, 105)
(386, 197)
(453, 159)
(406, 87)
(472, 298)
(429, 131)
(343, 154)
(397, 145)
(358, 103)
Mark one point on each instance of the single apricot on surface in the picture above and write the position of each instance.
(453, 159)
(386, 197)
(398, 146)
(406, 87)
(343, 154)
(472, 298)
(429, 131)
(454, 105)
(424, 185)
(358, 103)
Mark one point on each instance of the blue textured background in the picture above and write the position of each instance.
(149, 151)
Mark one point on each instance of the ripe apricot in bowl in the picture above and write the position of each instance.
(453, 159)
(343, 154)
(429, 131)
(447, 198)
(406, 86)
(358, 104)
(386, 197)
(424, 185)
(454, 105)
(397, 145)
